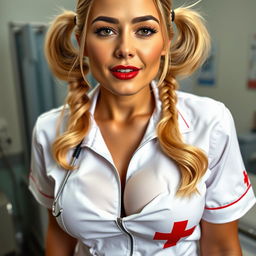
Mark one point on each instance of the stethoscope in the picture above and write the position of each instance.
(55, 211)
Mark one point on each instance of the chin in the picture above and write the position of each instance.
(124, 92)
(123, 87)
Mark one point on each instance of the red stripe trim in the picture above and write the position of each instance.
(41, 192)
(225, 206)
(184, 119)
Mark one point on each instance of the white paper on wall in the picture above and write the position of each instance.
(207, 73)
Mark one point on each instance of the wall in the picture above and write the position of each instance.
(231, 25)
(230, 22)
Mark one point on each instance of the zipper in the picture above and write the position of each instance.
(120, 224)
(119, 220)
(118, 177)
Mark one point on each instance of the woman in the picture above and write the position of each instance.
(159, 170)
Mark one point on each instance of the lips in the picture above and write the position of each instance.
(132, 72)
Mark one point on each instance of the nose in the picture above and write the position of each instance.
(125, 46)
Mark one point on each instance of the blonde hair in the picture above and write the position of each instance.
(188, 50)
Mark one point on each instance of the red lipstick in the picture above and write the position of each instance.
(124, 72)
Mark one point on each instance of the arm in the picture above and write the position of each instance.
(219, 239)
(58, 243)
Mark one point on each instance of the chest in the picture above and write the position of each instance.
(149, 196)
(122, 141)
(150, 175)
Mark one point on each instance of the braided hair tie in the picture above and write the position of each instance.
(172, 15)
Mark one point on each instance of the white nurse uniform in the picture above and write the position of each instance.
(158, 223)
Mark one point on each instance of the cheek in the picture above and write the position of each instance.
(152, 54)
(97, 54)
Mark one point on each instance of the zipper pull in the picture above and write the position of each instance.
(120, 222)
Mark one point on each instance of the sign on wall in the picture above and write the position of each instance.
(252, 64)
(207, 73)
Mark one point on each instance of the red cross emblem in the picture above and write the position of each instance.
(246, 179)
(178, 231)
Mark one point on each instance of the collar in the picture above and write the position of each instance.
(185, 124)
(183, 119)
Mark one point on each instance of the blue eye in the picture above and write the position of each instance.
(148, 29)
(105, 29)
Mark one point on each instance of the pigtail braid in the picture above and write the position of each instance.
(189, 49)
(63, 58)
(78, 121)
(191, 161)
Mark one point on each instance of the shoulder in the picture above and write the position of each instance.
(201, 110)
(46, 124)
(211, 124)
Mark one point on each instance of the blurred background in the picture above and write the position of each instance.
(28, 88)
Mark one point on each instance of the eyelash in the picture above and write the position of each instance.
(151, 29)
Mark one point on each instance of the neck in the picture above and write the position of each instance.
(121, 108)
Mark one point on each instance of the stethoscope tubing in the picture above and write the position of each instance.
(56, 212)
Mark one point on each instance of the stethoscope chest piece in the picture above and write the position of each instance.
(55, 211)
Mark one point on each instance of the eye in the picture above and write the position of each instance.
(147, 31)
(103, 31)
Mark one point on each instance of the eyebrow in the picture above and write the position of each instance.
(134, 20)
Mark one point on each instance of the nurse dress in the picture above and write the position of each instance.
(158, 223)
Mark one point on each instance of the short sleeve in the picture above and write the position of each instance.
(229, 192)
(41, 186)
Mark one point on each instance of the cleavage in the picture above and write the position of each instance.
(141, 189)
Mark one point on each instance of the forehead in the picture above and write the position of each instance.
(123, 9)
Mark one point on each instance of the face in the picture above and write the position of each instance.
(124, 39)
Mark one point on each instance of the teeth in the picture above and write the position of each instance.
(124, 70)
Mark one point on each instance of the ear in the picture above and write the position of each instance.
(78, 41)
